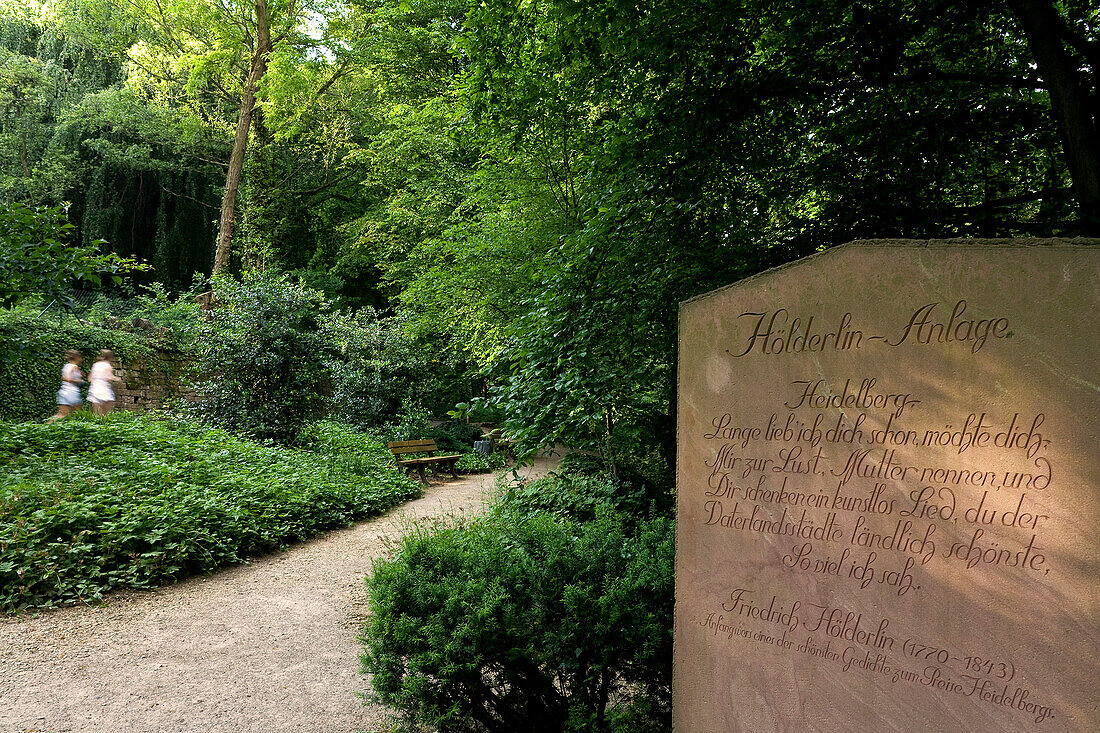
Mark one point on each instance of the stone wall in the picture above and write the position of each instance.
(148, 384)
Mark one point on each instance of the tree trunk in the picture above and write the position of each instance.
(260, 53)
(1070, 102)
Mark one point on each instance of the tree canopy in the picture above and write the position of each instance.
(531, 187)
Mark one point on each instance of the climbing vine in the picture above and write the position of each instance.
(32, 351)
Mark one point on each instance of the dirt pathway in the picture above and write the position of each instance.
(270, 646)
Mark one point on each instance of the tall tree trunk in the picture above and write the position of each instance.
(260, 52)
(1072, 96)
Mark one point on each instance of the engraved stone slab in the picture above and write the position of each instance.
(888, 500)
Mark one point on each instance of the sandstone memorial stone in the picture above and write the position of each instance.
(888, 487)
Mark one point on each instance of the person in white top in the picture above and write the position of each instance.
(101, 392)
(68, 397)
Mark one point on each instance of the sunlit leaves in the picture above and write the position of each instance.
(37, 259)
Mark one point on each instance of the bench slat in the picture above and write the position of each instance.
(413, 449)
(412, 446)
(426, 461)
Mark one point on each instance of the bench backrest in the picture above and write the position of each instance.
(400, 447)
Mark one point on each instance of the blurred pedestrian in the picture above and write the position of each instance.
(101, 381)
(68, 397)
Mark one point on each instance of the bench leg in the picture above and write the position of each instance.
(454, 473)
(423, 479)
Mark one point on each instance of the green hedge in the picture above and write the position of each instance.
(134, 501)
(527, 622)
(32, 351)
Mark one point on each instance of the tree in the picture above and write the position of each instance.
(1065, 42)
(209, 60)
(36, 260)
(699, 142)
(131, 173)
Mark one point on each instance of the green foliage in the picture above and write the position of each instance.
(274, 355)
(90, 505)
(583, 495)
(634, 155)
(531, 623)
(32, 351)
(261, 357)
(172, 320)
(456, 435)
(134, 176)
(533, 186)
(36, 259)
(416, 423)
(475, 462)
(181, 315)
(379, 371)
(345, 449)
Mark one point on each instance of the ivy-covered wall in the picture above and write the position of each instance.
(32, 352)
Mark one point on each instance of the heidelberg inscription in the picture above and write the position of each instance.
(887, 493)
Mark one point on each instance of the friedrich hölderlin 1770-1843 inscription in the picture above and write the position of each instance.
(888, 501)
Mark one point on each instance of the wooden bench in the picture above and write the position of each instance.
(410, 447)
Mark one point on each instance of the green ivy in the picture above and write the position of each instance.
(88, 505)
(32, 351)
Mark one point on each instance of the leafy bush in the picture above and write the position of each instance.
(261, 358)
(584, 483)
(181, 315)
(36, 259)
(415, 423)
(582, 496)
(456, 435)
(378, 369)
(274, 355)
(532, 623)
(174, 320)
(412, 423)
(480, 463)
(130, 501)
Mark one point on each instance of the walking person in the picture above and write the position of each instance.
(101, 379)
(68, 397)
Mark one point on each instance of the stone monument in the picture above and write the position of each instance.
(889, 493)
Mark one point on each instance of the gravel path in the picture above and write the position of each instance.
(269, 646)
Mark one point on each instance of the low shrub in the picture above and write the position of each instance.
(130, 501)
(261, 358)
(526, 622)
(582, 495)
(480, 463)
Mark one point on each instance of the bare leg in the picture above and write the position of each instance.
(63, 411)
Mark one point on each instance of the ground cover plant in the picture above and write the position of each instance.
(87, 505)
(481, 463)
